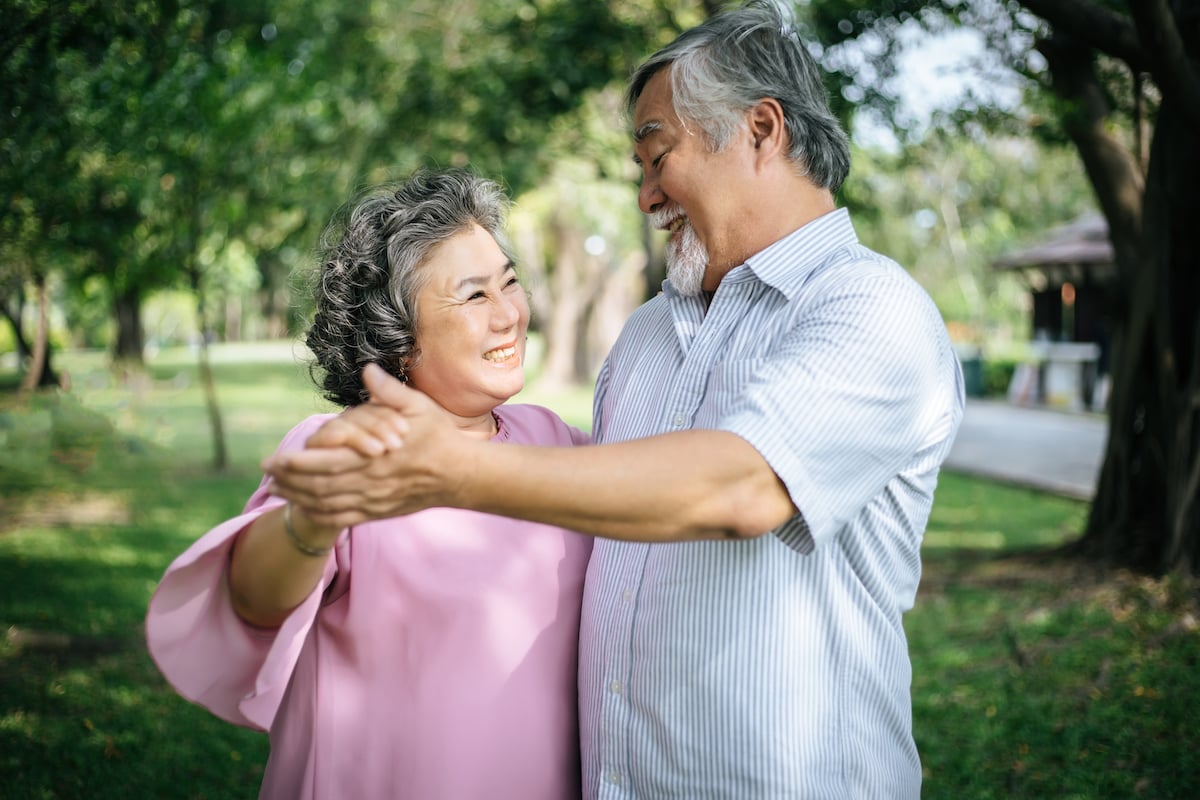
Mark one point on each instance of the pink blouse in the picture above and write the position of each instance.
(435, 659)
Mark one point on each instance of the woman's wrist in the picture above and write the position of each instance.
(303, 544)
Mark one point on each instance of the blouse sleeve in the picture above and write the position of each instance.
(204, 650)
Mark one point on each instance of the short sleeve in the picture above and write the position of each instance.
(855, 389)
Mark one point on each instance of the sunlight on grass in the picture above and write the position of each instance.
(69, 544)
(960, 539)
(970, 514)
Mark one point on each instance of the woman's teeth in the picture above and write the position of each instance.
(501, 354)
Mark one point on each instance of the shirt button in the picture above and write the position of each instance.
(627, 595)
(615, 686)
(614, 778)
(679, 420)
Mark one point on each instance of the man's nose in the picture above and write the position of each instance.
(650, 196)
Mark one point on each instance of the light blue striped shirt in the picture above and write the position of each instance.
(775, 667)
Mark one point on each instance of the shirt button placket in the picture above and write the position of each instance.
(615, 705)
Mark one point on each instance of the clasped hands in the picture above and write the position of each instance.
(393, 455)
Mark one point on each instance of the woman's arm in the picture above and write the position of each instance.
(279, 558)
(271, 571)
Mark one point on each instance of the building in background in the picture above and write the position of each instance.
(1072, 280)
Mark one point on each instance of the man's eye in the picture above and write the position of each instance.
(477, 295)
(658, 160)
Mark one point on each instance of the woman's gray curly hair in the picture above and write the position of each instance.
(369, 262)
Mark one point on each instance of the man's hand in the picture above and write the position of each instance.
(394, 455)
(369, 430)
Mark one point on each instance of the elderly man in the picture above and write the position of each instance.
(768, 430)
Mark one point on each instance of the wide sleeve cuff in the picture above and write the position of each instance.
(210, 655)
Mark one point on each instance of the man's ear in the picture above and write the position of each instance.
(767, 128)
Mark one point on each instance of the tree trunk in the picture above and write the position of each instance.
(1144, 515)
(568, 309)
(127, 311)
(655, 265)
(220, 452)
(1145, 512)
(39, 373)
(273, 298)
(13, 315)
(207, 379)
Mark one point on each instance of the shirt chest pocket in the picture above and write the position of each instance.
(727, 384)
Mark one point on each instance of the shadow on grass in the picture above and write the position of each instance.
(103, 725)
(84, 710)
(1039, 675)
(89, 519)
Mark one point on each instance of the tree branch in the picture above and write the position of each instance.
(1114, 173)
(1104, 30)
(1167, 58)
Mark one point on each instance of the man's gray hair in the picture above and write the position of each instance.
(725, 65)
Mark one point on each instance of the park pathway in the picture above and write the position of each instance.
(1041, 448)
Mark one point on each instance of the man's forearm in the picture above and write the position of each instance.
(681, 486)
(696, 484)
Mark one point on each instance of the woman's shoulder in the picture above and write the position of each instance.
(295, 438)
(525, 423)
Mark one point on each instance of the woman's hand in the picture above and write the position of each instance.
(395, 455)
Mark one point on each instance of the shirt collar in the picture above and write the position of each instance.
(786, 264)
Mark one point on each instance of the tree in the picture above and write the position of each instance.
(1122, 83)
(19, 269)
(941, 205)
(1145, 513)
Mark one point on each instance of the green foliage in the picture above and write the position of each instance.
(997, 375)
(194, 144)
(945, 207)
(202, 145)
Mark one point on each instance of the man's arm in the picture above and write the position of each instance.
(688, 485)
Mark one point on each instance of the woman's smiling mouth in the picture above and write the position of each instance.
(501, 354)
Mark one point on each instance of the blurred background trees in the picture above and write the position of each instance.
(166, 167)
(186, 154)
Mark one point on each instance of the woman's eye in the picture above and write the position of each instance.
(511, 281)
(658, 160)
(477, 295)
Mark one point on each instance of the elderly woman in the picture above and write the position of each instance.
(426, 656)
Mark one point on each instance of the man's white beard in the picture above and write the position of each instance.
(686, 260)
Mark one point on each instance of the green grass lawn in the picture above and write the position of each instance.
(1033, 676)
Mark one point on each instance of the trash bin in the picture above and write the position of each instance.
(971, 359)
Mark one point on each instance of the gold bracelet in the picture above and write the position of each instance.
(297, 542)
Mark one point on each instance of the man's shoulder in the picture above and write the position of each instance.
(858, 268)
